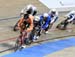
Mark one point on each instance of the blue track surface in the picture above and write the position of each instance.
(44, 49)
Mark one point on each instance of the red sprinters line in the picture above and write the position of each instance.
(16, 37)
(8, 39)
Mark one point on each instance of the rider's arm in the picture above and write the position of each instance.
(34, 13)
(31, 24)
(46, 23)
(20, 23)
(53, 19)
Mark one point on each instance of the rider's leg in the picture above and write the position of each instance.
(65, 24)
(51, 24)
(46, 30)
(62, 25)
(39, 32)
(36, 33)
(27, 38)
(55, 19)
(15, 26)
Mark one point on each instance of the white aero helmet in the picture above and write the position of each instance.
(36, 18)
(45, 15)
(52, 10)
(29, 6)
(72, 12)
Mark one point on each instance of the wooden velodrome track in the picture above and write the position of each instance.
(9, 13)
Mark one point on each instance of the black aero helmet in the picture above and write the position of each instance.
(29, 9)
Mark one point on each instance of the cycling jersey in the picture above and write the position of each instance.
(45, 23)
(27, 22)
(54, 17)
